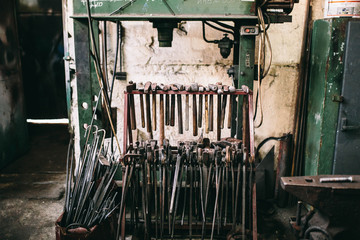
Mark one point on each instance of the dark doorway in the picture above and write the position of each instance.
(41, 44)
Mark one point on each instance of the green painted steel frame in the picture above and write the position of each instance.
(87, 82)
(178, 9)
(326, 70)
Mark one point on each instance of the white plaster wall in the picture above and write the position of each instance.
(189, 60)
(280, 87)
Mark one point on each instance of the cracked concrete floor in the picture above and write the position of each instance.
(32, 187)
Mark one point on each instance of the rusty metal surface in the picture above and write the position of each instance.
(340, 200)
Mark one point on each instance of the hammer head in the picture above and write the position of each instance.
(173, 87)
(220, 88)
(147, 87)
(131, 86)
(140, 86)
(180, 86)
(213, 87)
(153, 87)
(162, 87)
(201, 88)
(194, 87)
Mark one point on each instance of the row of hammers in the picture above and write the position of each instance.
(194, 190)
(173, 96)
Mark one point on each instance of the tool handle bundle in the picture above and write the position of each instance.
(90, 195)
(202, 106)
(192, 190)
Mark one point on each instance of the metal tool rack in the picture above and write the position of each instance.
(247, 110)
(247, 140)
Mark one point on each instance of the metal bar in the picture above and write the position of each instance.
(161, 122)
(170, 92)
(125, 121)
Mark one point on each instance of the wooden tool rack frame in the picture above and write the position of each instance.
(247, 117)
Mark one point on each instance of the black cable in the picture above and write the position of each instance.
(269, 21)
(118, 30)
(208, 41)
(268, 139)
(105, 52)
(317, 229)
(95, 53)
(219, 29)
(256, 104)
(224, 25)
(119, 35)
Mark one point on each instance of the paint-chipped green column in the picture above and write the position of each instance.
(86, 78)
(245, 73)
(326, 70)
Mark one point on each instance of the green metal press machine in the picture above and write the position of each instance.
(248, 18)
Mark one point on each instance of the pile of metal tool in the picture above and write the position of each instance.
(174, 96)
(91, 193)
(192, 190)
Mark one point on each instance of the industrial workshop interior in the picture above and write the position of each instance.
(179, 119)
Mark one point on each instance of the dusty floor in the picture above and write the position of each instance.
(32, 191)
(32, 187)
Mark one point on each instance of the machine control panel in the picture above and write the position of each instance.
(249, 30)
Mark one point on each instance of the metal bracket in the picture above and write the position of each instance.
(337, 98)
(345, 127)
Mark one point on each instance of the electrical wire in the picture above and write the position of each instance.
(262, 143)
(118, 38)
(99, 73)
(264, 41)
(219, 29)
(263, 3)
(119, 33)
(268, 21)
(224, 25)
(204, 37)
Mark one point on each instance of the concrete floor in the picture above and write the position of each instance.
(32, 191)
(32, 187)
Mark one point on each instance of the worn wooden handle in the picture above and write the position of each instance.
(206, 114)
(223, 108)
(195, 123)
(211, 113)
(218, 127)
(148, 115)
(172, 111)
(154, 111)
(187, 112)
(167, 109)
(161, 121)
(200, 111)
(142, 110)
(179, 107)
